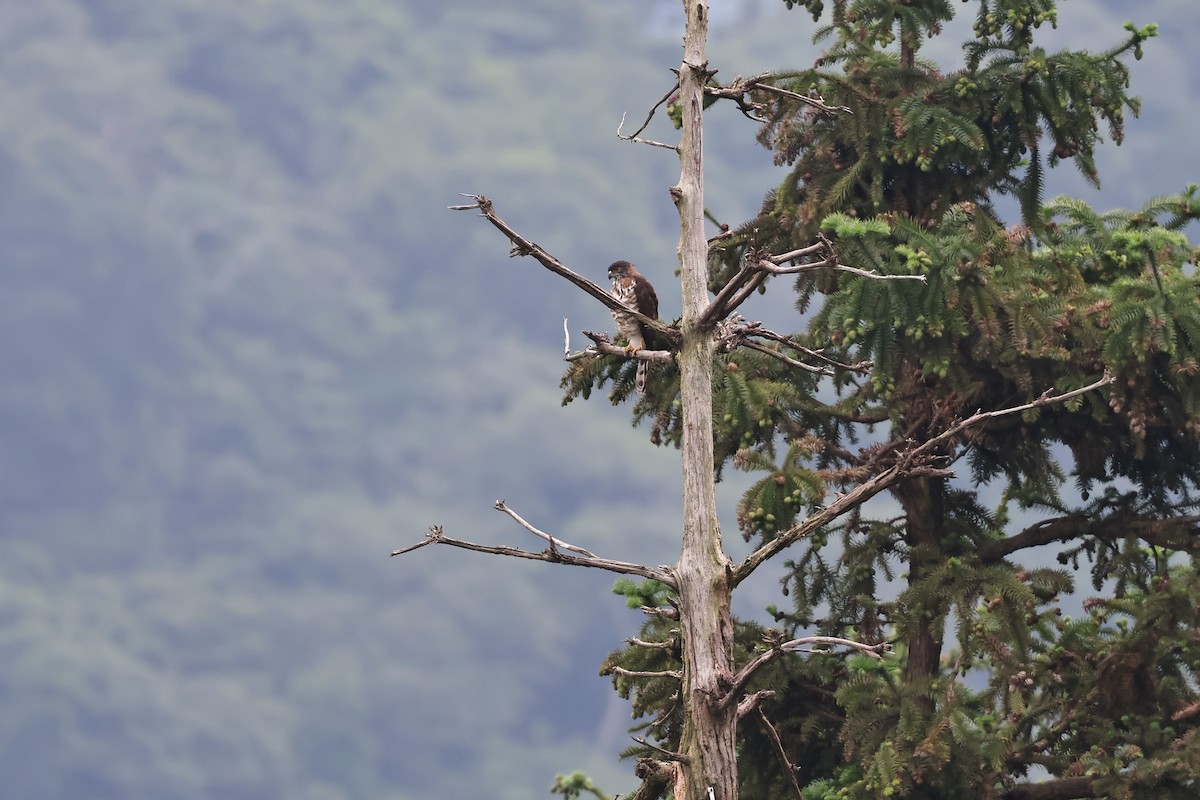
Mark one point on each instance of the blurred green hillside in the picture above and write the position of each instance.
(245, 352)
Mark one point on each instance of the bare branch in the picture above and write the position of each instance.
(817, 102)
(758, 267)
(743, 284)
(736, 91)
(756, 329)
(739, 87)
(791, 362)
(767, 266)
(640, 140)
(629, 673)
(667, 645)
(658, 611)
(436, 535)
(784, 762)
(751, 702)
(1174, 533)
(733, 294)
(669, 755)
(554, 543)
(602, 345)
(778, 647)
(633, 137)
(566, 340)
(916, 460)
(432, 537)
(1046, 398)
(841, 504)
(525, 247)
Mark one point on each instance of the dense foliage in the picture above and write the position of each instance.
(1002, 674)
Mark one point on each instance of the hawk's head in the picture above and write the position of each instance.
(619, 269)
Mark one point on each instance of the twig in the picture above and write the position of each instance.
(566, 339)
(500, 506)
(525, 247)
(436, 535)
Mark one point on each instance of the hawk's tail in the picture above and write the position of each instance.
(639, 380)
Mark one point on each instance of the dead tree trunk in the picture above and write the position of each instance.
(709, 768)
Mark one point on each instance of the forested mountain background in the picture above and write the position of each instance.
(246, 351)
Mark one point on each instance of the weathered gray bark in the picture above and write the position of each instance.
(709, 768)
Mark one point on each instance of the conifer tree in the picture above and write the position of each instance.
(992, 691)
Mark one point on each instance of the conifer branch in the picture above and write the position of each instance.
(436, 535)
(525, 247)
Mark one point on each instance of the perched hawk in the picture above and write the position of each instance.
(631, 288)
